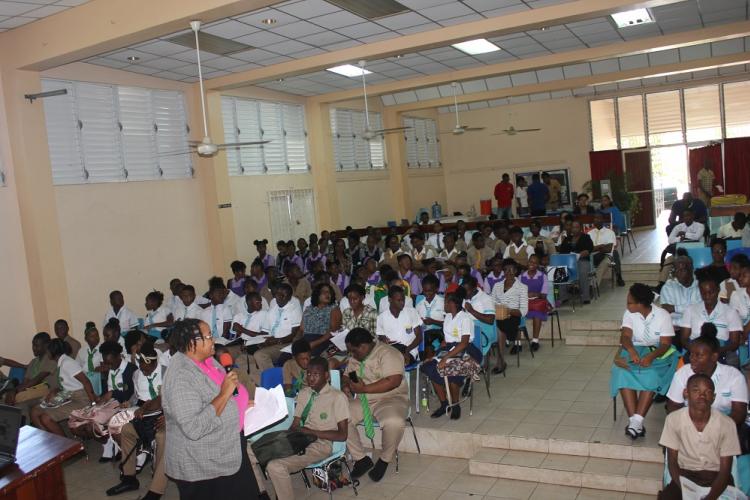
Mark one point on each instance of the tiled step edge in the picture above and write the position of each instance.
(593, 340)
(610, 482)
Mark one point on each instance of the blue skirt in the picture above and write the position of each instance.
(430, 367)
(655, 378)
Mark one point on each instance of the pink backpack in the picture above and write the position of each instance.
(94, 415)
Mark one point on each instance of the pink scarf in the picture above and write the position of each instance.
(217, 375)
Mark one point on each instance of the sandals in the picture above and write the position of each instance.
(634, 433)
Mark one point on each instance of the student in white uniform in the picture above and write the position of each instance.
(733, 229)
(282, 324)
(645, 362)
(482, 309)
(125, 316)
(190, 308)
(431, 308)
(729, 285)
(250, 322)
(731, 386)
(217, 315)
(391, 278)
(241, 306)
(400, 326)
(681, 291)
(711, 310)
(158, 316)
(175, 303)
(740, 302)
(436, 239)
(89, 357)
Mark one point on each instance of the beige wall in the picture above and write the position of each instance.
(365, 198)
(474, 162)
(425, 188)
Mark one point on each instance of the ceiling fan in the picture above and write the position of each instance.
(459, 129)
(368, 133)
(207, 148)
(514, 131)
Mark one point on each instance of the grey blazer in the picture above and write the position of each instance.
(200, 445)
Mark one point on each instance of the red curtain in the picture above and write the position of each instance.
(737, 164)
(697, 157)
(605, 163)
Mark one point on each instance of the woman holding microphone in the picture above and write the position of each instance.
(206, 451)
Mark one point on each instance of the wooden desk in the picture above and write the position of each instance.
(38, 473)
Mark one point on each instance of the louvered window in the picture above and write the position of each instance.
(351, 150)
(422, 143)
(663, 110)
(603, 124)
(247, 120)
(702, 113)
(736, 106)
(106, 133)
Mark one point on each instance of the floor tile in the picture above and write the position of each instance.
(523, 458)
(417, 492)
(572, 433)
(434, 479)
(589, 494)
(564, 462)
(476, 485)
(550, 491)
(645, 469)
(607, 466)
(541, 431)
(511, 489)
(543, 417)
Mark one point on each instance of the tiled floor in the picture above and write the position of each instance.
(650, 243)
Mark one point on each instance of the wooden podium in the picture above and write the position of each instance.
(37, 473)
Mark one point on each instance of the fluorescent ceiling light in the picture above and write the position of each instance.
(349, 70)
(632, 17)
(478, 46)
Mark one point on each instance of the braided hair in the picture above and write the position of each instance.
(185, 333)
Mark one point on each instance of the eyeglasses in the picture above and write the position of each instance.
(208, 337)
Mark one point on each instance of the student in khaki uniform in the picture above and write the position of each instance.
(293, 371)
(478, 254)
(382, 397)
(36, 380)
(62, 330)
(301, 287)
(321, 411)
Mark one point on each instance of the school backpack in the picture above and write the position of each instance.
(557, 274)
(281, 444)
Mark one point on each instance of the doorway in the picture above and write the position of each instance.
(292, 214)
(671, 175)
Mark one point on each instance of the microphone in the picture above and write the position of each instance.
(225, 360)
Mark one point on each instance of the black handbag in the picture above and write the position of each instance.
(281, 444)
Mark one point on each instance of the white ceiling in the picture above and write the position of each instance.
(14, 14)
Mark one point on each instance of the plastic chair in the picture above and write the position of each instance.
(733, 244)
(17, 373)
(522, 329)
(96, 382)
(338, 454)
(271, 377)
(335, 379)
(415, 367)
(554, 313)
(280, 426)
(485, 339)
(701, 257)
(570, 261)
(629, 231)
(689, 244)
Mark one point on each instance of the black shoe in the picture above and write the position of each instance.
(455, 412)
(535, 346)
(129, 483)
(377, 472)
(104, 460)
(498, 370)
(150, 495)
(587, 302)
(440, 411)
(467, 388)
(620, 281)
(264, 496)
(659, 398)
(515, 349)
(361, 466)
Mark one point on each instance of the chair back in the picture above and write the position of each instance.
(335, 379)
(733, 244)
(731, 253)
(96, 382)
(568, 260)
(280, 426)
(484, 336)
(701, 256)
(17, 373)
(689, 244)
(271, 377)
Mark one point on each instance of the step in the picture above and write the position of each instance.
(592, 338)
(606, 325)
(569, 470)
(642, 266)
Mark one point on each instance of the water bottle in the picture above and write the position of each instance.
(437, 211)
(424, 397)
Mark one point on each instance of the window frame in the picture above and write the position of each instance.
(361, 149)
(429, 156)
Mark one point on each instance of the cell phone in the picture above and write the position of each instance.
(353, 377)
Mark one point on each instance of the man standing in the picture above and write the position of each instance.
(504, 192)
(706, 180)
(539, 195)
(554, 187)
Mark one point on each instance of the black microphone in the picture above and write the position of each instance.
(225, 360)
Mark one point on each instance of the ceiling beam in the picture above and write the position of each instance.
(101, 26)
(486, 28)
(573, 83)
(640, 46)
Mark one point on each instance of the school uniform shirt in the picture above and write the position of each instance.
(303, 290)
(399, 330)
(700, 451)
(127, 318)
(175, 304)
(680, 297)
(241, 306)
(385, 303)
(456, 326)
(435, 241)
(291, 371)
(547, 244)
(281, 320)
(120, 381)
(215, 316)
(157, 316)
(193, 311)
(433, 310)
(648, 331)
(496, 245)
(445, 255)
(723, 317)
(89, 358)
(740, 302)
(516, 297)
(383, 361)
(75, 346)
(522, 196)
(415, 284)
(67, 369)
(251, 321)
(164, 358)
(490, 281)
(603, 236)
(477, 258)
(41, 365)
(693, 232)
(729, 386)
(731, 282)
(728, 231)
(420, 255)
(145, 384)
(520, 253)
(233, 301)
(329, 407)
(481, 302)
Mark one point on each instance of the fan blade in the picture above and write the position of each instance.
(473, 129)
(177, 153)
(390, 130)
(240, 144)
(528, 130)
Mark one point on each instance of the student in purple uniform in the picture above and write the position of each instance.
(303, 249)
(258, 274)
(495, 275)
(536, 281)
(262, 247)
(282, 256)
(404, 270)
(338, 278)
(342, 256)
(315, 255)
(237, 282)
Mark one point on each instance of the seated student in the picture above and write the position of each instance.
(236, 283)
(320, 319)
(728, 286)
(436, 237)
(118, 372)
(580, 243)
(370, 250)
(701, 442)
(410, 277)
(604, 240)
(133, 341)
(740, 302)
(320, 411)
(609, 209)
(294, 369)
(282, 324)
(539, 241)
(375, 377)
(174, 303)
(147, 381)
(71, 384)
(301, 288)
(297, 258)
(62, 332)
(717, 269)
(558, 233)
(449, 251)
(217, 315)
(303, 249)
(265, 258)
(251, 321)
(518, 249)
(582, 205)
(90, 358)
(687, 230)
(117, 309)
(681, 291)
(400, 326)
(158, 317)
(478, 254)
(431, 309)
(190, 308)
(645, 362)
(259, 275)
(711, 310)
(538, 286)
(731, 386)
(358, 314)
(697, 209)
(447, 277)
(497, 237)
(733, 230)
(419, 252)
(392, 251)
(37, 379)
(463, 237)
(250, 287)
(391, 278)
(482, 309)
(337, 277)
(495, 274)
(314, 256)
(464, 269)
(111, 332)
(514, 296)
(457, 350)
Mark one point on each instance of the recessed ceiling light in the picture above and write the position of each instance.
(478, 46)
(269, 21)
(133, 58)
(349, 70)
(280, 80)
(632, 18)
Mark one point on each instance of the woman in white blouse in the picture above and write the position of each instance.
(458, 355)
(740, 302)
(646, 360)
(514, 295)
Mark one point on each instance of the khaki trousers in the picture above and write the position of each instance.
(128, 439)
(602, 269)
(266, 356)
(279, 470)
(390, 414)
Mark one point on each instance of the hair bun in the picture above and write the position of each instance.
(113, 322)
(90, 324)
(709, 331)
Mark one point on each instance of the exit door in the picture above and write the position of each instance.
(638, 172)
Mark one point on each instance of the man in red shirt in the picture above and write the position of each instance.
(504, 191)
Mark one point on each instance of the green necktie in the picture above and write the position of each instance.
(151, 390)
(366, 412)
(59, 380)
(308, 407)
(91, 359)
(114, 379)
(299, 381)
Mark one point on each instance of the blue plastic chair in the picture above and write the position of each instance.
(733, 244)
(271, 377)
(689, 244)
(701, 257)
(485, 339)
(335, 379)
(280, 426)
(735, 251)
(17, 373)
(96, 382)
(570, 261)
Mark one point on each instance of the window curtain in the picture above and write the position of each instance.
(697, 157)
(737, 165)
(604, 164)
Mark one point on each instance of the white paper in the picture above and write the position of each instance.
(287, 349)
(259, 339)
(270, 407)
(339, 339)
(691, 491)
